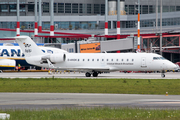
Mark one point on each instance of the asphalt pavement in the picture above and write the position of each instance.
(79, 100)
(169, 75)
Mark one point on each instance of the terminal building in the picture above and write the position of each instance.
(87, 17)
(88, 14)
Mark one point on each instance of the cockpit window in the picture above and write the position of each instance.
(162, 58)
(158, 58)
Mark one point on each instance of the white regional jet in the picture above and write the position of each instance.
(93, 63)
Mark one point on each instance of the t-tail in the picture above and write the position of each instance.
(33, 53)
(35, 56)
(28, 46)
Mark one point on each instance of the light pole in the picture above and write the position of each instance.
(106, 19)
(161, 30)
(40, 12)
(52, 18)
(118, 20)
(138, 46)
(36, 20)
(156, 16)
(18, 22)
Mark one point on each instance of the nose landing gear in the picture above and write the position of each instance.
(163, 74)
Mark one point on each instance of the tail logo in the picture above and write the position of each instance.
(28, 50)
(27, 45)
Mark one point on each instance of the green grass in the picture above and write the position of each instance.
(94, 114)
(119, 86)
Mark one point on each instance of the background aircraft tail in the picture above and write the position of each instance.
(28, 46)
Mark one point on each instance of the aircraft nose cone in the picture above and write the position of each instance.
(176, 66)
(173, 66)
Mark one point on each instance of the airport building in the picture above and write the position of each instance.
(88, 14)
(84, 18)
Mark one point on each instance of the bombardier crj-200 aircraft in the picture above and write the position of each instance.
(93, 63)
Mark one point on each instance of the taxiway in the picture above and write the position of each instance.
(78, 100)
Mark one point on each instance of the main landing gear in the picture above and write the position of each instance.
(95, 74)
(163, 74)
(88, 74)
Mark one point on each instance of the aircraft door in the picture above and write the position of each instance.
(103, 60)
(143, 63)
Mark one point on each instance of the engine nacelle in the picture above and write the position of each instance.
(55, 58)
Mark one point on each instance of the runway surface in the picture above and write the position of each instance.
(78, 100)
(169, 75)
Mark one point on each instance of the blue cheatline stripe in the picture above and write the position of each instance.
(7, 68)
(22, 63)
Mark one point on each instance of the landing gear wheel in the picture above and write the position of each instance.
(88, 74)
(95, 74)
(163, 75)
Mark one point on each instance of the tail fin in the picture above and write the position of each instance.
(28, 46)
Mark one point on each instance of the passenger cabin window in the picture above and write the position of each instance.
(88, 59)
(107, 59)
(92, 59)
(102, 59)
(111, 59)
(97, 59)
(127, 59)
(116, 59)
(132, 59)
(83, 59)
(158, 58)
(122, 59)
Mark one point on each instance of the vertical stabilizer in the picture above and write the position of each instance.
(28, 46)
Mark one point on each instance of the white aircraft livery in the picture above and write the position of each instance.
(93, 63)
(11, 56)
